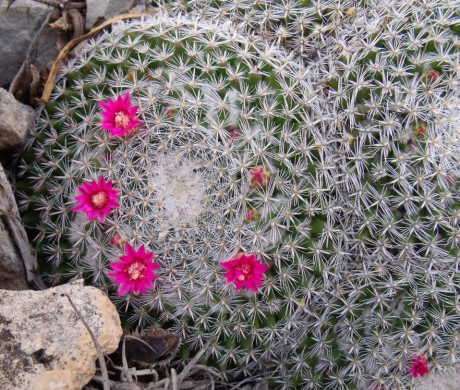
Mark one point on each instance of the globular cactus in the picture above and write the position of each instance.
(301, 203)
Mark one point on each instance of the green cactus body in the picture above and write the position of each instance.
(311, 164)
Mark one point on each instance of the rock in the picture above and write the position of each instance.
(117, 7)
(45, 345)
(97, 10)
(15, 119)
(12, 270)
(18, 26)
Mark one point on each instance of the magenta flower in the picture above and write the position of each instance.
(119, 116)
(118, 240)
(234, 133)
(97, 199)
(419, 366)
(259, 176)
(245, 271)
(135, 271)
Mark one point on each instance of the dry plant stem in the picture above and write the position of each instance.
(192, 363)
(78, 23)
(238, 386)
(56, 65)
(211, 370)
(147, 371)
(171, 383)
(202, 385)
(174, 379)
(198, 385)
(126, 374)
(100, 355)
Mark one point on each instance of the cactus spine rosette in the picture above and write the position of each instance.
(304, 174)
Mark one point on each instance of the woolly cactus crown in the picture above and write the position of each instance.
(338, 170)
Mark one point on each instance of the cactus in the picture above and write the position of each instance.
(333, 163)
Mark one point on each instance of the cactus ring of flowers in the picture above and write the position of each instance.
(304, 227)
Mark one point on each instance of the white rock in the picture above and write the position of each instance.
(15, 119)
(44, 344)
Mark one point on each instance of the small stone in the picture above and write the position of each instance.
(46, 344)
(15, 119)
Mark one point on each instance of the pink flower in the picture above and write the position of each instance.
(234, 133)
(119, 116)
(432, 75)
(135, 271)
(421, 130)
(259, 176)
(97, 199)
(419, 366)
(118, 240)
(251, 215)
(245, 271)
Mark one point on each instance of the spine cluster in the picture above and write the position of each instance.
(278, 179)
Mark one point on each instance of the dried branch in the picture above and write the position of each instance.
(185, 372)
(126, 370)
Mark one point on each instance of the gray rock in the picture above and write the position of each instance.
(117, 7)
(97, 10)
(18, 264)
(15, 119)
(18, 26)
(45, 345)
(12, 272)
